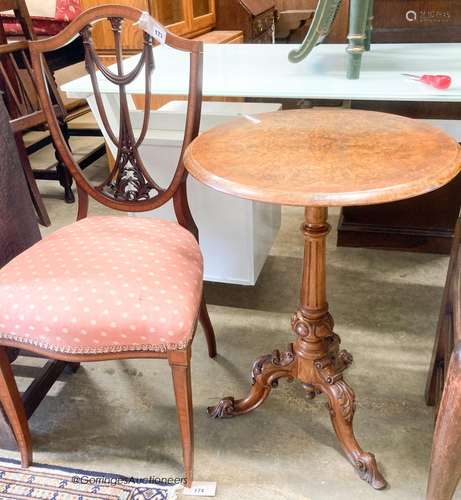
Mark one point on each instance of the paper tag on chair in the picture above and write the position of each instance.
(201, 489)
(147, 23)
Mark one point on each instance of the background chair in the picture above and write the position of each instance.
(72, 111)
(19, 94)
(133, 286)
(444, 385)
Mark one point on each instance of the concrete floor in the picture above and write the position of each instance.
(120, 416)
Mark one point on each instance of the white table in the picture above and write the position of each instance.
(264, 71)
(254, 70)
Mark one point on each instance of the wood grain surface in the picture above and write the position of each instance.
(324, 157)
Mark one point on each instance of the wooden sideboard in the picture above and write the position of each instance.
(254, 17)
(425, 223)
(188, 18)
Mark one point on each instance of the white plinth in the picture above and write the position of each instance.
(235, 234)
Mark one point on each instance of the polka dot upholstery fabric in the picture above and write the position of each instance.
(105, 284)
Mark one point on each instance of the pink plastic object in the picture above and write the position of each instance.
(440, 82)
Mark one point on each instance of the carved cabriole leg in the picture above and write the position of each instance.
(315, 358)
(265, 373)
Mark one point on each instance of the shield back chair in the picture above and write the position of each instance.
(443, 388)
(132, 287)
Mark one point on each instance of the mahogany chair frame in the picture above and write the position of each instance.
(116, 193)
(443, 388)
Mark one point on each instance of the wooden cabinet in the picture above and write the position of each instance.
(417, 21)
(425, 223)
(254, 17)
(183, 17)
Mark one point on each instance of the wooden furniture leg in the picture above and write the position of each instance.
(14, 409)
(180, 368)
(314, 359)
(35, 195)
(205, 321)
(445, 468)
(444, 337)
(358, 21)
(64, 177)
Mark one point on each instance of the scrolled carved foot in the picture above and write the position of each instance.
(342, 406)
(367, 468)
(224, 409)
(265, 373)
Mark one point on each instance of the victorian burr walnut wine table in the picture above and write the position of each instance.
(313, 158)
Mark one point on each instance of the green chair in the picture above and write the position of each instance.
(360, 26)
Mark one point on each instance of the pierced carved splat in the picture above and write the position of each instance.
(128, 180)
(128, 187)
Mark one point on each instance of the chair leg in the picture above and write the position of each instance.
(65, 180)
(14, 408)
(205, 321)
(37, 200)
(445, 469)
(64, 177)
(180, 368)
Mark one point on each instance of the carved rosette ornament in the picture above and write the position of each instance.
(312, 329)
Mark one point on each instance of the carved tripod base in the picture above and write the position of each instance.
(314, 359)
(321, 374)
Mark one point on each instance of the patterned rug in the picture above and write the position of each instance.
(62, 483)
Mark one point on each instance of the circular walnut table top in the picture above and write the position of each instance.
(324, 157)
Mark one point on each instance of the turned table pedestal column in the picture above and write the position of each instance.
(311, 158)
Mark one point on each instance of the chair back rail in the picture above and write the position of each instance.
(20, 91)
(128, 187)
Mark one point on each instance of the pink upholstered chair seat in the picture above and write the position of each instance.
(105, 284)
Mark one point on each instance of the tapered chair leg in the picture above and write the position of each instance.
(445, 469)
(14, 409)
(205, 321)
(180, 368)
(37, 201)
